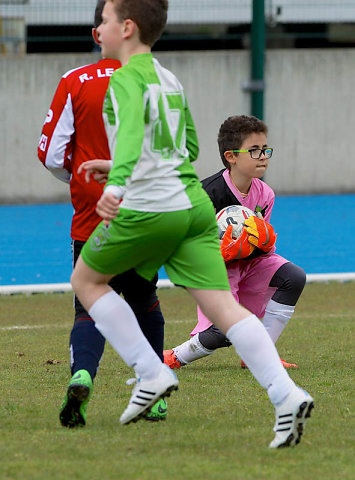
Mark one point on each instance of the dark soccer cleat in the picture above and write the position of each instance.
(73, 410)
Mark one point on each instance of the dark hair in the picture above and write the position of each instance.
(235, 130)
(149, 15)
(98, 12)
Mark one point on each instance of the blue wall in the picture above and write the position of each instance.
(316, 232)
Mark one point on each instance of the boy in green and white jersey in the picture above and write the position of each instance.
(154, 145)
(165, 218)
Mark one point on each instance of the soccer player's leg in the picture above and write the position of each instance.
(199, 346)
(289, 280)
(253, 344)
(133, 239)
(117, 323)
(86, 349)
(141, 295)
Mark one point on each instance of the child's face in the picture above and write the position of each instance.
(110, 32)
(243, 164)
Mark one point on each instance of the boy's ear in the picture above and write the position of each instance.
(128, 28)
(230, 157)
(95, 36)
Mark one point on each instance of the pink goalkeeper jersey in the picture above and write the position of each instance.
(260, 195)
(249, 279)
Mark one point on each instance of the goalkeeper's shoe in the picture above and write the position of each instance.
(73, 410)
(158, 412)
(284, 363)
(170, 359)
(147, 392)
(291, 417)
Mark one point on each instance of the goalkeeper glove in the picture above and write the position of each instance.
(261, 233)
(232, 249)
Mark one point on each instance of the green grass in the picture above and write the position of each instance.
(219, 422)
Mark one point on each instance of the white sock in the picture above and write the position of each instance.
(191, 350)
(253, 344)
(276, 318)
(115, 319)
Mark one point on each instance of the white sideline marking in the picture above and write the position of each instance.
(66, 287)
(68, 325)
(33, 327)
(185, 321)
(327, 277)
(55, 288)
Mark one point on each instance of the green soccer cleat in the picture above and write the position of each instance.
(158, 412)
(73, 410)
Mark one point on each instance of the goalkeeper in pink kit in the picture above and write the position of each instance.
(265, 283)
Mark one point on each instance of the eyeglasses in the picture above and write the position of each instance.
(256, 153)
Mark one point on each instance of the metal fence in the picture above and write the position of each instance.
(24, 22)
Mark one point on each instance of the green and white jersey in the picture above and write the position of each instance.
(152, 139)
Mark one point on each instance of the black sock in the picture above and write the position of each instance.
(152, 325)
(86, 347)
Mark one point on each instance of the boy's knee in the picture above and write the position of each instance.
(78, 282)
(74, 280)
(298, 278)
(290, 280)
(213, 338)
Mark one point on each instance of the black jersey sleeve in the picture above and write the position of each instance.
(219, 192)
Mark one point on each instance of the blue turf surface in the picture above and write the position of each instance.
(316, 232)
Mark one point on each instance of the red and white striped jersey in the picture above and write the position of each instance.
(74, 132)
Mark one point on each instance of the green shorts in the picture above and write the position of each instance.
(185, 242)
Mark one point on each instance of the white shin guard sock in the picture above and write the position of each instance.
(276, 318)
(191, 350)
(115, 319)
(253, 344)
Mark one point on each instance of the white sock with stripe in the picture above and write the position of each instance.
(191, 350)
(253, 344)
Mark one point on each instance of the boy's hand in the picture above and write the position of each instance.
(261, 233)
(98, 169)
(108, 207)
(232, 249)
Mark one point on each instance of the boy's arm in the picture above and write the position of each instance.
(125, 128)
(268, 205)
(191, 136)
(55, 144)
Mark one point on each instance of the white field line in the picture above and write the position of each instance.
(66, 287)
(33, 327)
(55, 288)
(175, 322)
(69, 325)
